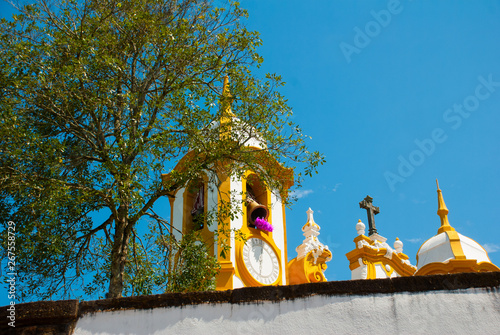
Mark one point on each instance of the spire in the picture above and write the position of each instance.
(227, 116)
(310, 217)
(310, 221)
(311, 243)
(227, 98)
(443, 212)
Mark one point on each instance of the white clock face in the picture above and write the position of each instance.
(261, 261)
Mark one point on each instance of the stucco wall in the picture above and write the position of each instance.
(467, 303)
(471, 311)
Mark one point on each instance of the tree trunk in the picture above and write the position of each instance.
(119, 253)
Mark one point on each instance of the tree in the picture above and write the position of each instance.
(101, 97)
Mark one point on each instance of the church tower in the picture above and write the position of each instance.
(262, 260)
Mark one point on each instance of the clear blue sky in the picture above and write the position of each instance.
(368, 80)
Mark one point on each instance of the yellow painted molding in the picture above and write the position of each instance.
(456, 266)
(306, 270)
(455, 244)
(372, 256)
(224, 225)
(371, 272)
(362, 237)
(225, 277)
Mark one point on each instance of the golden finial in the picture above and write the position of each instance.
(442, 212)
(227, 98)
(225, 89)
(227, 115)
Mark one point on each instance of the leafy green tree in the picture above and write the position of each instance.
(98, 99)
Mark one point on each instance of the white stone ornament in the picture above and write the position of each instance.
(311, 242)
(360, 228)
(398, 246)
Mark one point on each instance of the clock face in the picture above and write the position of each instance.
(261, 261)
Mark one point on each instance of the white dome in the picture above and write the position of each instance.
(438, 249)
(450, 251)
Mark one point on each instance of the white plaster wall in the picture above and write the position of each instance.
(178, 213)
(380, 273)
(237, 283)
(361, 272)
(236, 188)
(212, 200)
(472, 311)
(278, 232)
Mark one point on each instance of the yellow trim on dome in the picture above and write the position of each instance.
(460, 263)
(456, 266)
(455, 244)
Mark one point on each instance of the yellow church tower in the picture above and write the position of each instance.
(262, 260)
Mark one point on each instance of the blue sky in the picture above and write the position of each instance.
(395, 94)
(389, 93)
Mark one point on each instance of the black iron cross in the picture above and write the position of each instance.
(371, 210)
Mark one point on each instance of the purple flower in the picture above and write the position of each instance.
(263, 225)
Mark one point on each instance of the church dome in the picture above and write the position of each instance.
(439, 249)
(450, 251)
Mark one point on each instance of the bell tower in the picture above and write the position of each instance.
(260, 220)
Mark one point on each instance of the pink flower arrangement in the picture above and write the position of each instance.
(263, 225)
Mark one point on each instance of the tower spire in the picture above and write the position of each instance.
(443, 212)
(227, 116)
(227, 98)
